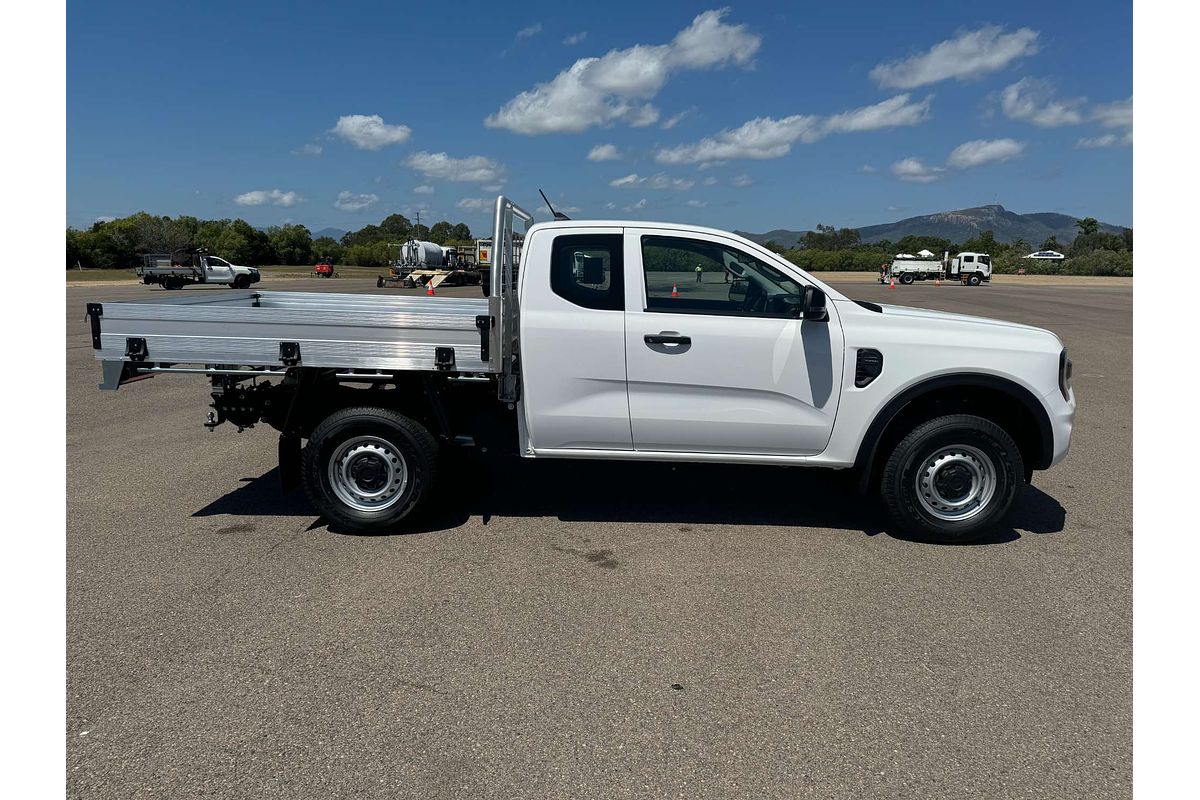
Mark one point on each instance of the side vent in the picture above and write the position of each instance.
(868, 367)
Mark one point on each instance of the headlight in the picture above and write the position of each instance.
(1064, 374)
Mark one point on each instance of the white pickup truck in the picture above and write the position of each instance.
(607, 342)
(183, 267)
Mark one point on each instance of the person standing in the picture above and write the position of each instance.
(699, 273)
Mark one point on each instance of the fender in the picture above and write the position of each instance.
(867, 450)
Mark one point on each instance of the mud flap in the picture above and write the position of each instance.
(289, 462)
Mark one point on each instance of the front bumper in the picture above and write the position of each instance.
(1062, 422)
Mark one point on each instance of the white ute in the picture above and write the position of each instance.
(631, 340)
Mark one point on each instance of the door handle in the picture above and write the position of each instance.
(666, 338)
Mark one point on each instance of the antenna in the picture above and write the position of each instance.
(557, 214)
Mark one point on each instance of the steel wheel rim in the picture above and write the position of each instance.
(368, 473)
(956, 483)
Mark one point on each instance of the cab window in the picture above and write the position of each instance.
(587, 270)
(695, 276)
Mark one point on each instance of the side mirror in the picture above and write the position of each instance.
(737, 290)
(814, 305)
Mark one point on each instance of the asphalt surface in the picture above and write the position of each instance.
(579, 630)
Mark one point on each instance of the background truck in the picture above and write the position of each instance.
(595, 345)
(969, 268)
(423, 263)
(182, 267)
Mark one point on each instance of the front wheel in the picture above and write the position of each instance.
(907, 279)
(974, 280)
(367, 469)
(952, 478)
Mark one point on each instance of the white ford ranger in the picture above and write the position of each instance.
(618, 340)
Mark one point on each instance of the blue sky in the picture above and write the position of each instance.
(758, 116)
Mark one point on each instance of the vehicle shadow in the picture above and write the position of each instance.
(609, 491)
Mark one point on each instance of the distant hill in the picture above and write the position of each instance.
(333, 233)
(958, 226)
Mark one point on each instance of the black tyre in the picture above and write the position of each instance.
(366, 469)
(906, 278)
(974, 280)
(952, 479)
(379, 283)
(172, 283)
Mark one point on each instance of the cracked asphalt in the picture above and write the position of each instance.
(592, 630)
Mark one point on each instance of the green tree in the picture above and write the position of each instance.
(327, 249)
(983, 243)
(440, 232)
(1052, 244)
(1087, 226)
(826, 237)
(461, 232)
(292, 244)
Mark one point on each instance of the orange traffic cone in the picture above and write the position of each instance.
(674, 290)
(937, 280)
(892, 285)
(429, 288)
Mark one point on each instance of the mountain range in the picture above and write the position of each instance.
(333, 233)
(958, 226)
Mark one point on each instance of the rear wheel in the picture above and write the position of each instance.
(172, 283)
(367, 469)
(952, 479)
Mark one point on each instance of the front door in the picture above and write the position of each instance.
(718, 359)
(217, 270)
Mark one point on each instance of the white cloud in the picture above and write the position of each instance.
(671, 122)
(472, 169)
(424, 188)
(742, 181)
(1033, 101)
(969, 54)
(697, 203)
(659, 181)
(638, 206)
(891, 113)
(308, 150)
(616, 86)
(348, 201)
(966, 156)
(105, 219)
(1114, 115)
(473, 204)
(766, 137)
(866, 168)
(1106, 140)
(268, 197)
(604, 152)
(369, 132)
(575, 38)
(492, 187)
(1117, 115)
(529, 31)
(984, 151)
(610, 206)
(709, 181)
(914, 170)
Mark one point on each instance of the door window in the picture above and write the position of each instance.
(694, 276)
(587, 270)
